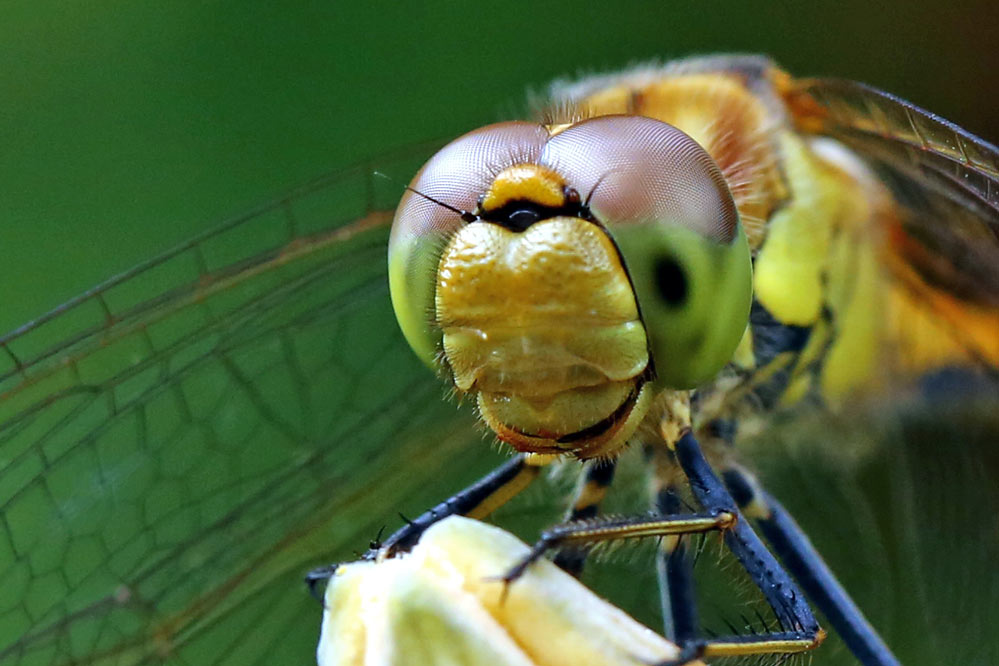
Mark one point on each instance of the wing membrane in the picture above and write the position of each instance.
(946, 184)
(904, 136)
(179, 444)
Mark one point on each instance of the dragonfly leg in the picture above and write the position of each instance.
(596, 480)
(590, 532)
(476, 501)
(689, 653)
(675, 570)
(808, 568)
(800, 631)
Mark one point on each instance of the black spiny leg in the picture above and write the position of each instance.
(809, 569)
(616, 529)
(801, 631)
(476, 501)
(596, 480)
(674, 568)
(690, 653)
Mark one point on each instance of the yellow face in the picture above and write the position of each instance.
(541, 322)
(563, 275)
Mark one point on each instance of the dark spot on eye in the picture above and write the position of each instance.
(671, 281)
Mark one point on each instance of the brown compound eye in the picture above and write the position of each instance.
(637, 170)
(461, 173)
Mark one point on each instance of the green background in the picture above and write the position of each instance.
(127, 127)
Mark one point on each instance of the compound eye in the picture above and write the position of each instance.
(669, 209)
(637, 170)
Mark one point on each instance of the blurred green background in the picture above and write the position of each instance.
(127, 127)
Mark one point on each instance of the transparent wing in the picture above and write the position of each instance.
(180, 444)
(945, 178)
(893, 496)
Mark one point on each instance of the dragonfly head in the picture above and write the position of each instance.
(573, 272)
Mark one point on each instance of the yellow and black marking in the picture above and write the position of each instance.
(527, 193)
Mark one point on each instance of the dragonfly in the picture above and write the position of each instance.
(184, 440)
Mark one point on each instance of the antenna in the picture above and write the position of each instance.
(464, 214)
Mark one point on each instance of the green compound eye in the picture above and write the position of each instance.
(694, 294)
